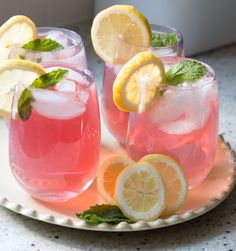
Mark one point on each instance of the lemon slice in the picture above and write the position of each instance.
(174, 179)
(119, 32)
(140, 192)
(15, 72)
(16, 30)
(138, 84)
(107, 175)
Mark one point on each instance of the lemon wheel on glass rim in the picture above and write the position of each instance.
(16, 30)
(139, 82)
(119, 32)
(15, 72)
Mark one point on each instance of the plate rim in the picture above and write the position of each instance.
(124, 226)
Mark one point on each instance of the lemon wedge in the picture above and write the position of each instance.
(16, 30)
(119, 32)
(15, 72)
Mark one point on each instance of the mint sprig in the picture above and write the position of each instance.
(44, 81)
(103, 213)
(185, 71)
(164, 39)
(43, 45)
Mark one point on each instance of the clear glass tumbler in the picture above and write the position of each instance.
(54, 154)
(168, 51)
(182, 124)
(116, 120)
(73, 51)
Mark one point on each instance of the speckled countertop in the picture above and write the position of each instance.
(215, 230)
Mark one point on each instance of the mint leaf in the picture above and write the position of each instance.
(22, 57)
(24, 104)
(164, 39)
(103, 213)
(44, 81)
(185, 71)
(49, 79)
(43, 44)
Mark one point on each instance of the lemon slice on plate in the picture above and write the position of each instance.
(15, 72)
(119, 32)
(107, 175)
(16, 30)
(140, 192)
(138, 84)
(174, 179)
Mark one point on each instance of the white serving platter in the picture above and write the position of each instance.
(210, 193)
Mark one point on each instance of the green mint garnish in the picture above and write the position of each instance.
(44, 44)
(22, 57)
(164, 39)
(46, 80)
(185, 71)
(103, 213)
(24, 104)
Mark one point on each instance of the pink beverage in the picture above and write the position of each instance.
(182, 124)
(54, 154)
(72, 42)
(116, 120)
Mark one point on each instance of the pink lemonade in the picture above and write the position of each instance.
(182, 124)
(116, 120)
(54, 154)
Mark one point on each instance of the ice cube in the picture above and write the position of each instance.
(60, 37)
(171, 107)
(56, 105)
(15, 51)
(162, 52)
(49, 97)
(83, 96)
(202, 81)
(181, 112)
(66, 86)
(18, 52)
(68, 111)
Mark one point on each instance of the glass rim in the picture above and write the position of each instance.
(155, 29)
(190, 86)
(174, 60)
(72, 34)
(90, 80)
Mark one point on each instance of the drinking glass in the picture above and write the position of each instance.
(73, 51)
(115, 119)
(54, 154)
(168, 51)
(182, 124)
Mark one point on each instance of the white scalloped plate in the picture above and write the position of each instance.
(211, 192)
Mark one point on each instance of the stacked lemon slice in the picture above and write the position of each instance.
(154, 186)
